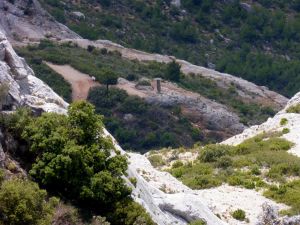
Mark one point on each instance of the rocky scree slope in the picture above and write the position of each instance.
(27, 90)
(26, 20)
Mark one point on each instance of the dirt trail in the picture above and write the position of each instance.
(249, 92)
(81, 83)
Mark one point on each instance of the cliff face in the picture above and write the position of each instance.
(24, 88)
(165, 208)
(26, 20)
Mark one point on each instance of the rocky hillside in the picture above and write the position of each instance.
(217, 105)
(162, 206)
(262, 161)
(28, 21)
(245, 103)
(248, 91)
(250, 178)
(164, 197)
(256, 40)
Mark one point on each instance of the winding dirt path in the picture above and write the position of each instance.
(80, 82)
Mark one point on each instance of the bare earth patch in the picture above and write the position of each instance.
(81, 83)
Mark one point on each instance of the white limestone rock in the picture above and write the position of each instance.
(24, 87)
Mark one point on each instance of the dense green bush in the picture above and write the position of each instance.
(130, 213)
(74, 159)
(239, 214)
(283, 121)
(24, 203)
(173, 71)
(69, 156)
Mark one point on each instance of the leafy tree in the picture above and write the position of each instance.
(108, 77)
(23, 203)
(74, 158)
(173, 71)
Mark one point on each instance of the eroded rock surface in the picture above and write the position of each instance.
(24, 87)
(26, 20)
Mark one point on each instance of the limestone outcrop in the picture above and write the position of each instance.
(24, 89)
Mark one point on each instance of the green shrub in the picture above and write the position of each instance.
(177, 164)
(156, 160)
(23, 203)
(283, 121)
(173, 71)
(211, 153)
(17, 121)
(73, 158)
(285, 130)
(202, 182)
(294, 109)
(198, 222)
(224, 162)
(255, 170)
(235, 181)
(239, 214)
(288, 194)
(133, 180)
(129, 213)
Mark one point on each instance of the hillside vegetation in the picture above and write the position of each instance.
(157, 126)
(258, 41)
(260, 163)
